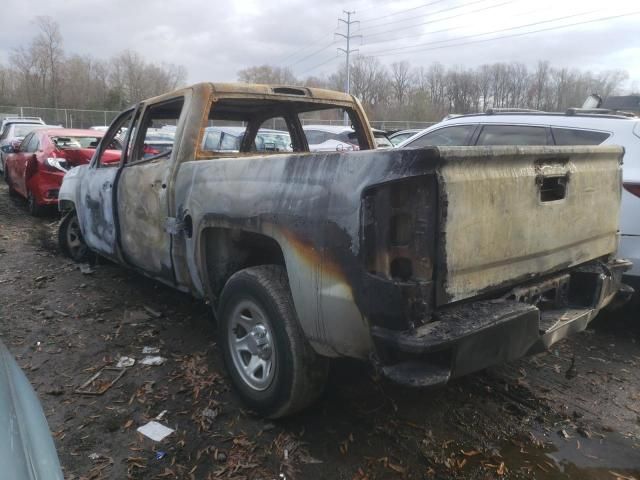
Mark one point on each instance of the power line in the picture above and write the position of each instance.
(300, 50)
(403, 11)
(519, 34)
(311, 54)
(429, 14)
(431, 32)
(407, 27)
(494, 31)
(320, 50)
(319, 65)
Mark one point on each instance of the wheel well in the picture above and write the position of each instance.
(228, 250)
(65, 206)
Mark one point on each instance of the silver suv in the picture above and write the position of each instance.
(15, 128)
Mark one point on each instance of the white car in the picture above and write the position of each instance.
(400, 136)
(331, 138)
(575, 127)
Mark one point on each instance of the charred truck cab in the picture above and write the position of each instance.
(433, 262)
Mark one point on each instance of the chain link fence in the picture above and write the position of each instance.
(78, 118)
(66, 117)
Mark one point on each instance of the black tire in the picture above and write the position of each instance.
(35, 210)
(299, 374)
(70, 239)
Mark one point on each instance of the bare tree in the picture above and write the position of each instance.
(401, 80)
(267, 74)
(540, 85)
(49, 53)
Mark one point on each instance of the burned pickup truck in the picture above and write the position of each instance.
(432, 263)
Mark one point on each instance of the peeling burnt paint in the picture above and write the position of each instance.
(369, 239)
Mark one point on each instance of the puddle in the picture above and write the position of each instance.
(549, 456)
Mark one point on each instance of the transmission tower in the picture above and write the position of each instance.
(348, 22)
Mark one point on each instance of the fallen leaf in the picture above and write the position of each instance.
(471, 453)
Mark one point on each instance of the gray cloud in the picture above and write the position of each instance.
(213, 40)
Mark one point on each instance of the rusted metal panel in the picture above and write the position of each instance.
(500, 228)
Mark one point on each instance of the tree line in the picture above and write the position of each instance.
(402, 92)
(42, 74)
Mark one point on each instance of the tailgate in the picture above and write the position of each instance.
(511, 213)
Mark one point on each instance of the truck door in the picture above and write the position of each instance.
(143, 193)
(95, 204)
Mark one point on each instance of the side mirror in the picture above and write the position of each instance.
(15, 146)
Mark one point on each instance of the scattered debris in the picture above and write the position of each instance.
(153, 360)
(95, 456)
(86, 269)
(210, 414)
(619, 476)
(220, 456)
(150, 350)
(155, 431)
(124, 362)
(135, 317)
(161, 415)
(584, 432)
(152, 312)
(96, 385)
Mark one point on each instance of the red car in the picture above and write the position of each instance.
(37, 164)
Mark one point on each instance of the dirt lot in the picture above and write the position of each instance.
(573, 412)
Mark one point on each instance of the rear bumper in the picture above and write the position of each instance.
(46, 186)
(475, 335)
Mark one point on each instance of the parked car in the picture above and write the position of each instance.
(400, 136)
(36, 165)
(229, 139)
(331, 138)
(13, 135)
(432, 263)
(27, 451)
(11, 120)
(157, 141)
(575, 127)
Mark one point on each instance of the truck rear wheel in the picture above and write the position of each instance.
(270, 362)
(70, 239)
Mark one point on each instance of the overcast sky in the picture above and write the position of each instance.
(215, 39)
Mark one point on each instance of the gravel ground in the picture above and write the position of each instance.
(573, 412)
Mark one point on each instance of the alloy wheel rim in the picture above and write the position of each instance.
(250, 339)
(75, 242)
